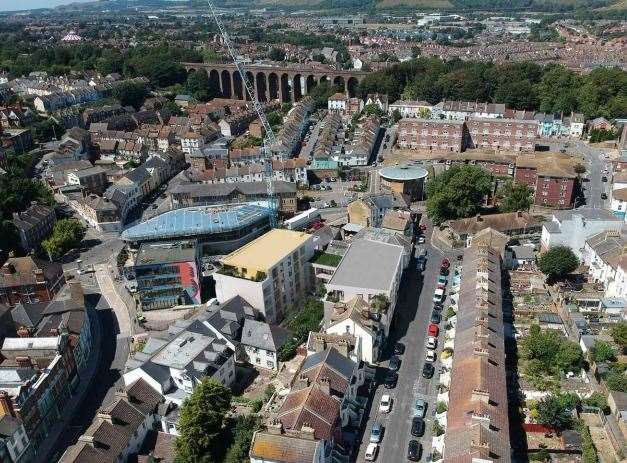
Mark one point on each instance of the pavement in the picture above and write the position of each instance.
(412, 316)
(122, 314)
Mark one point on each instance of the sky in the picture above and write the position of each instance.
(13, 5)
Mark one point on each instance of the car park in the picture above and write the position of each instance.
(395, 363)
(433, 330)
(385, 405)
(417, 426)
(427, 370)
(431, 342)
(371, 452)
(430, 356)
(390, 380)
(414, 450)
(376, 433)
(420, 408)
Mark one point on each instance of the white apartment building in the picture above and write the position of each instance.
(572, 228)
(411, 108)
(271, 272)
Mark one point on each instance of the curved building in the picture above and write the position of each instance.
(218, 229)
(404, 179)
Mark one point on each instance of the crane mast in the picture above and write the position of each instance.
(269, 139)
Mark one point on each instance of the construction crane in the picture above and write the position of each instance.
(269, 140)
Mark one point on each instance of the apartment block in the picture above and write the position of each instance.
(34, 225)
(167, 274)
(552, 178)
(270, 272)
(434, 135)
(502, 134)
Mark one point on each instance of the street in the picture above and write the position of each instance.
(412, 316)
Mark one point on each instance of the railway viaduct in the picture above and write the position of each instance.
(276, 81)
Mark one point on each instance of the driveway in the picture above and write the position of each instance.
(410, 326)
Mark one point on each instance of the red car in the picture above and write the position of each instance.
(445, 263)
(423, 227)
(433, 330)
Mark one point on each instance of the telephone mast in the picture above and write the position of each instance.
(269, 139)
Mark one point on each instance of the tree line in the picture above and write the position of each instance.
(529, 86)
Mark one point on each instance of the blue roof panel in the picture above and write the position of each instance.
(197, 220)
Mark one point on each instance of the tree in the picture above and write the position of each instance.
(457, 192)
(199, 86)
(396, 116)
(602, 352)
(616, 381)
(597, 399)
(373, 109)
(558, 262)
(619, 334)
(549, 352)
(66, 234)
(321, 93)
(245, 427)
(201, 419)
(555, 411)
(276, 54)
(516, 197)
(580, 168)
(130, 94)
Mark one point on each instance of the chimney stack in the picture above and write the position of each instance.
(307, 432)
(325, 385)
(301, 383)
(76, 292)
(23, 362)
(23, 332)
(275, 427)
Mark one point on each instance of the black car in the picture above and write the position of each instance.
(438, 306)
(395, 363)
(399, 348)
(417, 427)
(390, 380)
(436, 317)
(414, 450)
(444, 271)
(604, 178)
(603, 196)
(427, 370)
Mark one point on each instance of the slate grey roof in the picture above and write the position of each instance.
(369, 264)
(333, 359)
(588, 213)
(228, 318)
(28, 315)
(158, 372)
(263, 335)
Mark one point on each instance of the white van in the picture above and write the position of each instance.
(371, 452)
(439, 295)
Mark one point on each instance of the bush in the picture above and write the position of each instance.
(555, 410)
(450, 313)
(437, 429)
(441, 407)
(602, 352)
(549, 352)
(589, 452)
(66, 234)
(597, 399)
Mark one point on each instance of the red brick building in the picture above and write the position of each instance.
(426, 134)
(28, 280)
(502, 134)
(552, 178)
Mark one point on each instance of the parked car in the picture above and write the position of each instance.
(427, 370)
(430, 356)
(399, 348)
(371, 452)
(445, 263)
(604, 179)
(414, 450)
(395, 363)
(376, 433)
(417, 426)
(390, 380)
(603, 196)
(436, 317)
(433, 330)
(431, 342)
(420, 408)
(423, 227)
(438, 306)
(420, 263)
(438, 296)
(442, 279)
(386, 403)
(421, 239)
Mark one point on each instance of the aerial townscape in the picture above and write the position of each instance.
(325, 231)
